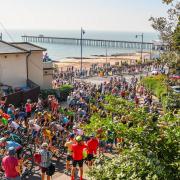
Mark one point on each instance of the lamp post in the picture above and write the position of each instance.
(106, 60)
(142, 40)
(82, 32)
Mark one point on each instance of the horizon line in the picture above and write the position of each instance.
(102, 30)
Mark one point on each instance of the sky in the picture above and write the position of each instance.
(107, 15)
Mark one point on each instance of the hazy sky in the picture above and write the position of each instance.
(119, 15)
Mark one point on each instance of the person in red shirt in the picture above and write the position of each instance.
(92, 146)
(28, 108)
(10, 165)
(77, 155)
(123, 94)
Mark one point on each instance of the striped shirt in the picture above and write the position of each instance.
(45, 158)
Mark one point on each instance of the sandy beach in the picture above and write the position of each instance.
(100, 60)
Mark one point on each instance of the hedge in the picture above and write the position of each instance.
(61, 93)
(64, 91)
(159, 87)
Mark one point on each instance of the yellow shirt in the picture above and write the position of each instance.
(47, 133)
(69, 144)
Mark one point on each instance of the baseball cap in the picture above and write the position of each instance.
(31, 122)
(44, 145)
(3, 139)
(92, 135)
(78, 138)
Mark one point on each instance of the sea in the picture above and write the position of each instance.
(60, 52)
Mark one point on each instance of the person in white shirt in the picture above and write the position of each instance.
(14, 125)
(77, 131)
(35, 130)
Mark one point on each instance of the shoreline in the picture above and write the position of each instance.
(130, 58)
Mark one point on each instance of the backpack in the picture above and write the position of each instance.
(50, 170)
(85, 153)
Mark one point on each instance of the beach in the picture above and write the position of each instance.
(130, 58)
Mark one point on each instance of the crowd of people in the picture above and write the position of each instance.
(53, 124)
(70, 74)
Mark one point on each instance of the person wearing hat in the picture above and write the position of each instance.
(12, 137)
(10, 111)
(77, 155)
(28, 108)
(10, 165)
(47, 135)
(46, 157)
(11, 144)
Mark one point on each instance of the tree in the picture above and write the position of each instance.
(176, 37)
(166, 26)
(168, 1)
(169, 30)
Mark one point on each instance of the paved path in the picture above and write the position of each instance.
(59, 174)
(98, 80)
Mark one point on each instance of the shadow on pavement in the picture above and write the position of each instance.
(60, 166)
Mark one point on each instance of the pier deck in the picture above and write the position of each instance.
(94, 42)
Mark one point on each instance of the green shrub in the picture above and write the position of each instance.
(150, 151)
(45, 92)
(157, 85)
(64, 91)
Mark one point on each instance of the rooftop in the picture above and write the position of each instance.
(7, 48)
(28, 46)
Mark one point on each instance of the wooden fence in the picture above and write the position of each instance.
(20, 97)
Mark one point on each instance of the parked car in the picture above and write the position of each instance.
(176, 89)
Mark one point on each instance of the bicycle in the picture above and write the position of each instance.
(26, 163)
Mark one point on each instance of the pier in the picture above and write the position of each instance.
(94, 42)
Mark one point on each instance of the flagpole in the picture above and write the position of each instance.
(81, 51)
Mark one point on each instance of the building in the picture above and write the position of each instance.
(13, 71)
(23, 61)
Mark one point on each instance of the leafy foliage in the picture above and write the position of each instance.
(176, 37)
(150, 149)
(65, 90)
(45, 92)
(61, 94)
(168, 1)
(158, 85)
(168, 28)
